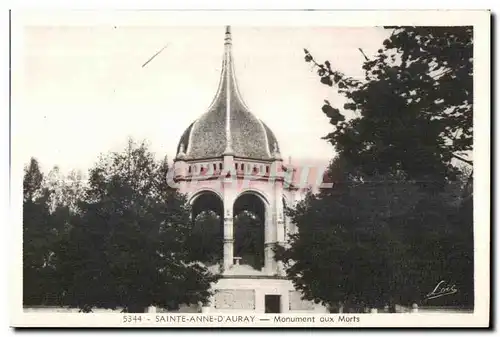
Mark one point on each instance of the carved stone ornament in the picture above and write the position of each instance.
(238, 299)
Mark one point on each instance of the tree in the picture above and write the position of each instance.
(40, 234)
(349, 248)
(67, 190)
(393, 224)
(379, 241)
(413, 111)
(128, 250)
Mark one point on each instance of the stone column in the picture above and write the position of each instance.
(280, 223)
(280, 239)
(176, 178)
(268, 243)
(180, 168)
(228, 240)
(280, 234)
(228, 186)
(294, 198)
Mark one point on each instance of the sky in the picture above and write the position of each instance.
(84, 90)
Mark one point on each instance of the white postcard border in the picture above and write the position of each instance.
(482, 111)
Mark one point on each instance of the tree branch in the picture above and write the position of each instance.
(462, 159)
(362, 52)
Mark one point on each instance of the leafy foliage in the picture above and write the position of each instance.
(413, 111)
(378, 242)
(39, 237)
(130, 243)
(122, 241)
(399, 218)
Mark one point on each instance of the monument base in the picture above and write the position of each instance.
(258, 294)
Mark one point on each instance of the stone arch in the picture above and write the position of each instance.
(207, 216)
(261, 195)
(250, 209)
(206, 190)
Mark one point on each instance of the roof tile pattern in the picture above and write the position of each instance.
(228, 125)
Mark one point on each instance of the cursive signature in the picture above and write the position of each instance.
(441, 289)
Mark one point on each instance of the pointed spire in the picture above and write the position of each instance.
(228, 68)
(228, 39)
(237, 132)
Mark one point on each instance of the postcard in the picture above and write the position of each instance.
(250, 169)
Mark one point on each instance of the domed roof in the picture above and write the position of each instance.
(228, 127)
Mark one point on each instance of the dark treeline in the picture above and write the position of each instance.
(117, 240)
(399, 218)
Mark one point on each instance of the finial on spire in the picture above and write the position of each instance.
(181, 155)
(276, 152)
(227, 40)
(275, 147)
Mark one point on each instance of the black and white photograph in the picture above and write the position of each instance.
(251, 171)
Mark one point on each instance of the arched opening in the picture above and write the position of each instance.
(249, 213)
(206, 239)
